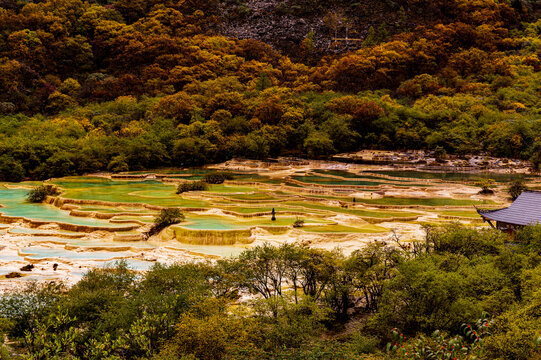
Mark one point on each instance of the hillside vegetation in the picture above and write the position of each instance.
(126, 85)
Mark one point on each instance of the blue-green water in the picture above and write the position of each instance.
(5, 257)
(23, 231)
(91, 243)
(15, 204)
(212, 223)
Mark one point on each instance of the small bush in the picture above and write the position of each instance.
(217, 178)
(40, 193)
(362, 344)
(167, 217)
(530, 238)
(118, 164)
(516, 188)
(515, 333)
(11, 169)
(191, 186)
(486, 186)
(298, 223)
(457, 239)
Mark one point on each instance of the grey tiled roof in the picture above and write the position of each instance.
(525, 210)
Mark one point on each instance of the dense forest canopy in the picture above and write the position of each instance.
(125, 85)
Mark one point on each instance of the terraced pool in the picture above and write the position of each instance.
(452, 176)
(40, 252)
(321, 180)
(148, 191)
(358, 212)
(206, 222)
(221, 220)
(426, 201)
(15, 204)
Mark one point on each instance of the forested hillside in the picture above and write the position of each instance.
(125, 85)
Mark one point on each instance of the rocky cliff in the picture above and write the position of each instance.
(326, 27)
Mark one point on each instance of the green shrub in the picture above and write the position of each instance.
(208, 332)
(314, 350)
(167, 217)
(486, 186)
(11, 169)
(441, 292)
(515, 333)
(530, 238)
(362, 344)
(457, 239)
(516, 188)
(217, 177)
(118, 164)
(40, 193)
(191, 186)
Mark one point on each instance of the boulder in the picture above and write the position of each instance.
(28, 267)
(13, 275)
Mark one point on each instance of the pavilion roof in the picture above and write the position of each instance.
(525, 210)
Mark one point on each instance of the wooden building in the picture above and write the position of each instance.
(525, 210)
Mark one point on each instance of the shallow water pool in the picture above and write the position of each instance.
(37, 252)
(212, 223)
(14, 201)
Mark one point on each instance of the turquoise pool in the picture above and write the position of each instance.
(14, 201)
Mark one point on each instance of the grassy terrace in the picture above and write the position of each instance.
(459, 213)
(425, 201)
(253, 196)
(365, 229)
(230, 188)
(363, 213)
(259, 209)
(209, 222)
